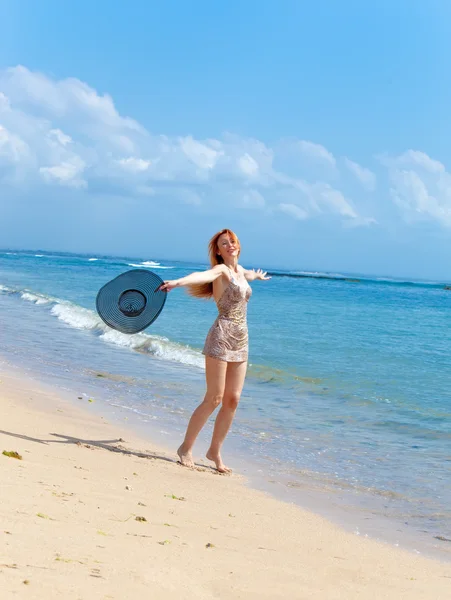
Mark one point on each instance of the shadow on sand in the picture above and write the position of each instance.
(114, 445)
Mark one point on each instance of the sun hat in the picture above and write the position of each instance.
(131, 301)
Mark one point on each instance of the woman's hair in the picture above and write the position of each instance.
(205, 290)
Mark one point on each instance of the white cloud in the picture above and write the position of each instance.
(65, 133)
(421, 187)
(66, 173)
(417, 201)
(12, 148)
(200, 154)
(332, 199)
(135, 165)
(59, 137)
(366, 177)
(253, 199)
(248, 165)
(316, 152)
(294, 211)
(28, 90)
(417, 159)
(319, 198)
(4, 102)
(360, 222)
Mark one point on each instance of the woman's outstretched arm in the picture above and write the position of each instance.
(197, 277)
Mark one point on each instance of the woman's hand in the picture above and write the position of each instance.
(167, 286)
(259, 274)
(255, 274)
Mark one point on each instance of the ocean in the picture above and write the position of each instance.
(347, 403)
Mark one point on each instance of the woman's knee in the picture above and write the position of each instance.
(231, 400)
(213, 400)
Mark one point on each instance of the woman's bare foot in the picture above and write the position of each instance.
(186, 458)
(216, 458)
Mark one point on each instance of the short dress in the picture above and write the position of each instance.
(228, 338)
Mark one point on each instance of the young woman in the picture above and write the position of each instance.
(226, 346)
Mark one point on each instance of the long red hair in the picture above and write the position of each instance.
(205, 290)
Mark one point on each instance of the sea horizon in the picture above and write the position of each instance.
(275, 268)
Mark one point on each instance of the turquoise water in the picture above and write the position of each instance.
(348, 388)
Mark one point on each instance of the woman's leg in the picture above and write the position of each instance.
(215, 373)
(236, 372)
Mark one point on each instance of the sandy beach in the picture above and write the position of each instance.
(91, 511)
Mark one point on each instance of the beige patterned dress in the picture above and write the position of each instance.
(228, 336)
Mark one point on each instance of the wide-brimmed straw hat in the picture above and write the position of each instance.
(131, 301)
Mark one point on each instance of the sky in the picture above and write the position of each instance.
(318, 131)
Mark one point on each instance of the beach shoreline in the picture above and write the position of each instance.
(358, 512)
(72, 527)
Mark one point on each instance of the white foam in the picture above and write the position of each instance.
(147, 266)
(150, 263)
(157, 346)
(92, 259)
(77, 316)
(39, 255)
(36, 298)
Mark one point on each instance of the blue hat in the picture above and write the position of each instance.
(131, 301)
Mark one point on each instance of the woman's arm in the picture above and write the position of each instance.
(253, 274)
(197, 277)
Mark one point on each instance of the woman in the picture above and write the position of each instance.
(226, 346)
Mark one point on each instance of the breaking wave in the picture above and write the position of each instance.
(148, 264)
(78, 317)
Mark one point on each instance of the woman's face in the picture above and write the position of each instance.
(227, 248)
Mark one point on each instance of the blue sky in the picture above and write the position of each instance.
(319, 131)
